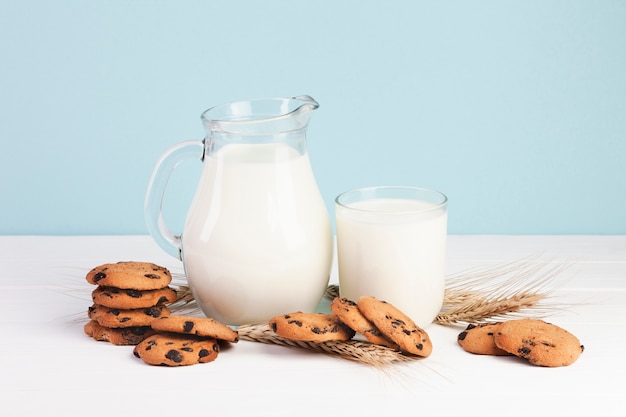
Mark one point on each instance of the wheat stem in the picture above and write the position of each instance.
(363, 352)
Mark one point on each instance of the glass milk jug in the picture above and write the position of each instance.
(257, 240)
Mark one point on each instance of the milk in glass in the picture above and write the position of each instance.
(394, 249)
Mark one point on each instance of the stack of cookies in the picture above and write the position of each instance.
(130, 308)
(128, 297)
(379, 322)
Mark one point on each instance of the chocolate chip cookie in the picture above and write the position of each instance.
(120, 336)
(396, 326)
(199, 326)
(130, 275)
(479, 339)
(349, 313)
(114, 297)
(117, 318)
(311, 327)
(176, 350)
(541, 343)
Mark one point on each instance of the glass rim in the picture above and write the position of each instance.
(437, 206)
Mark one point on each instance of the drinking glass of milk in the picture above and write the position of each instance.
(257, 240)
(391, 244)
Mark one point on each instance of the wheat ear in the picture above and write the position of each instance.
(494, 293)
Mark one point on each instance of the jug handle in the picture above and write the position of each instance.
(153, 204)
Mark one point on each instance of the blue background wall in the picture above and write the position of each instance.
(515, 110)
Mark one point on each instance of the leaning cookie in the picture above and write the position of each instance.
(199, 326)
(114, 297)
(541, 343)
(130, 275)
(479, 339)
(396, 326)
(176, 350)
(349, 313)
(311, 327)
(116, 317)
(126, 336)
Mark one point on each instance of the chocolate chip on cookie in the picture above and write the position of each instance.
(396, 326)
(311, 327)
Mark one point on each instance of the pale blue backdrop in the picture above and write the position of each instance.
(515, 109)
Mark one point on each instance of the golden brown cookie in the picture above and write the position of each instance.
(176, 350)
(116, 317)
(130, 275)
(311, 327)
(122, 336)
(541, 343)
(396, 326)
(199, 326)
(479, 339)
(130, 299)
(351, 316)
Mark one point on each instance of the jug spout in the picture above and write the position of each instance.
(307, 104)
(307, 100)
(302, 114)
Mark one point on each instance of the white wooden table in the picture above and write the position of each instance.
(48, 365)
